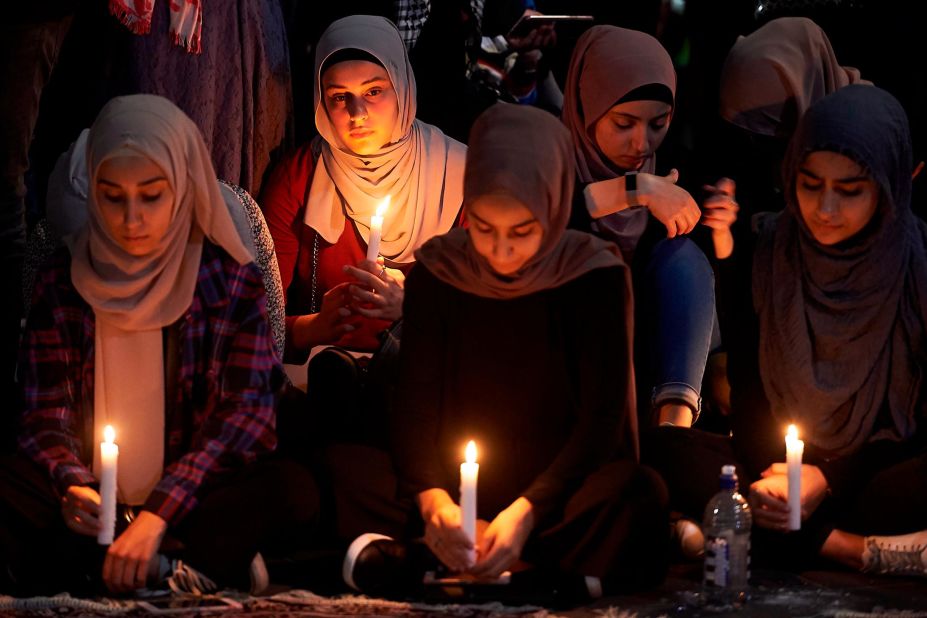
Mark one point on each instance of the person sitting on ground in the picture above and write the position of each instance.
(318, 204)
(549, 403)
(835, 286)
(319, 201)
(618, 106)
(151, 320)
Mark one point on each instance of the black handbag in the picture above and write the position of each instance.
(349, 397)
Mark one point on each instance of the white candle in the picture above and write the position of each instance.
(469, 471)
(793, 452)
(109, 455)
(376, 229)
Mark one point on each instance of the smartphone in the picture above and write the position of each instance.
(177, 605)
(527, 23)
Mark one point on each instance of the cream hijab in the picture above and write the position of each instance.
(607, 64)
(133, 298)
(524, 153)
(421, 169)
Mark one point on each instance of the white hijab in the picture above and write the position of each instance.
(421, 169)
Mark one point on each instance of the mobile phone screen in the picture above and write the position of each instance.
(529, 22)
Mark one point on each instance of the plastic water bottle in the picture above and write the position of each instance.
(727, 544)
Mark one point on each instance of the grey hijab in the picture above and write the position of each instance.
(842, 326)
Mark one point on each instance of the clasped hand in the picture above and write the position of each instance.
(720, 214)
(669, 204)
(499, 543)
(769, 496)
(378, 292)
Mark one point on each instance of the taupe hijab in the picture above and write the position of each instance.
(607, 64)
(133, 298)
(523, 153)
(421, 169)
(842, 326)
(773, 75)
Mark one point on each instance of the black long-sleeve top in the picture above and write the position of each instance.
(541, 383)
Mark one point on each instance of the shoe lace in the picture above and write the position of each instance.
(186, 579)
(897, 558)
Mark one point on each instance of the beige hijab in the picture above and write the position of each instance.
(607, 64)
(133, 298)
(421, 169)
(772, 76)
(524, 153)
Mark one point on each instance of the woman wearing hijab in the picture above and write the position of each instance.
(768, 80)
(618, 105)
(152, 321)
(836, 346)
(319, 202)
(549, 403)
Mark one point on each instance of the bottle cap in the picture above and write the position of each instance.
(728, 477)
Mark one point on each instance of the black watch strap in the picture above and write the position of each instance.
(630, 188)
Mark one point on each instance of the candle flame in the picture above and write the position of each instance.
(792, 433)
(471, 452)
(381, 209)
(109, 434)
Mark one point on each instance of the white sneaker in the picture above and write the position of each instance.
(593, 586)
(186, 579)
(896, 555)
(260, 578)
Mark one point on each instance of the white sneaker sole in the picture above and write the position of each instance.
(354, 550)
(260, 578)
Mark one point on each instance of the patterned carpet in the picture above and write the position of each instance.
(294, 603)
(813, 594)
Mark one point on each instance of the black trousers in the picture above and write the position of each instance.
(614, 526)
(890, 500)
(270, 506)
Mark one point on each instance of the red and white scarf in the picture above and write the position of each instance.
(186, 20)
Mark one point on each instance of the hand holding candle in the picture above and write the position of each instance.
(793, 453)
(376, 229)
(109, 456)
(469, 471)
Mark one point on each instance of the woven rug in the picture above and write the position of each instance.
(293, 603)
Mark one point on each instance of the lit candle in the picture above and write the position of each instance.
(793, 452)
(468, 474)
(376, 229)
(109, 455)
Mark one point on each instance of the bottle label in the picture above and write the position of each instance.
(718, 560)
(727, 560)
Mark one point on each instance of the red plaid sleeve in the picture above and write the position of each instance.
(50, 371)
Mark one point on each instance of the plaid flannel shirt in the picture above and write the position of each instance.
(229, 376)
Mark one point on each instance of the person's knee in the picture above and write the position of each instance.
(680, 257)
(658, 444)
(629, 481)
(652, 490)
(297, 489)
